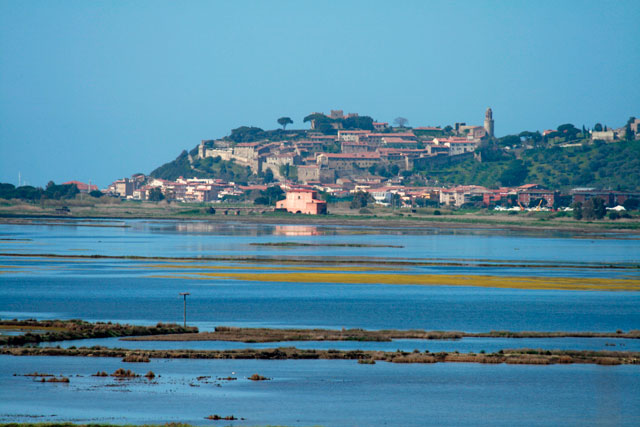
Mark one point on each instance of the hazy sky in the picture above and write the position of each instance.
(97, 90)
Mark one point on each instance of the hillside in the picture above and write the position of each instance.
(201, 168)
(599, 165)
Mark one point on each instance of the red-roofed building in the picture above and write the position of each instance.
(82, 187)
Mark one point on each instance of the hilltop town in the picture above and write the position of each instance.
(344, 155)
(354, 159)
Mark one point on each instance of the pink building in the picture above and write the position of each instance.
(303, 201)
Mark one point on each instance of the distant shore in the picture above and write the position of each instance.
(380, 218)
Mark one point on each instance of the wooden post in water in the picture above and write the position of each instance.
(184, 294)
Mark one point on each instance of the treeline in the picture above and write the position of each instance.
(328, 126)
(51, 192)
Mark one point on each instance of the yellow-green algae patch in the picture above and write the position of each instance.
(511, 282)
(269, 268)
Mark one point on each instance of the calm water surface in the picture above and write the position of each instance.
(332, 393)
(320, 392)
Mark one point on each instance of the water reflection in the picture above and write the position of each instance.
(296, 230)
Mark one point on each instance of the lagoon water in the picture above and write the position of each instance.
(320, 392)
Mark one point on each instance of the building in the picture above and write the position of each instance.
(303, 201)
(122, 187)
(348, 161)
(380, 126)
(525, 197)
(462, 194)
(606, 135)
(488, 122)
(82, 187)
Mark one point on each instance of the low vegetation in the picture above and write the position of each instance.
(254, 335)
(517, 356)
(63, 330)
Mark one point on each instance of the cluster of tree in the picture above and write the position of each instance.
(591, 209)
(360, 200)
(384, 171)
(253, 134)
(288, 171)
(155, 195)
(51, 192)
(269, 196)
(515, 173)
(328, 126)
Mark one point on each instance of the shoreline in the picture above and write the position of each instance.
(453, 221)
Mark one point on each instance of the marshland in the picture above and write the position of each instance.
(331, 315)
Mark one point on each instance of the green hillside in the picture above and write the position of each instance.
(211, 167)
(612, 166)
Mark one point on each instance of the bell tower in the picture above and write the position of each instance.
(488, 122)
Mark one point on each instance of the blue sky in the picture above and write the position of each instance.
(97, 90)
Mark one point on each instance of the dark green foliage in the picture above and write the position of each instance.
(284, 121)
(515, 173)
(594, 209)
(57, 192)
(631, 204)
(577, 210)
(269, 196)
(268, 176)
(27, 192)
(246, 134)
(555, 167)
(359, 122)
(361, 200)
(155, 194)
(613, 215)
(326, 124)
(289, 171)
(175, 169)
(509, 140)
(96, 193)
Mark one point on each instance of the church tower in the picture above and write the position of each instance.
(488, 122)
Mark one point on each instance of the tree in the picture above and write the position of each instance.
(155, 194)
(358, 122)
(631, 204)
(401, 121)
(96, 193)
(284, 121)
(361, 200)
(598, 127)
(577, 210)
(395, 169)
(268, 176)
(594, 208)
(515, 173)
